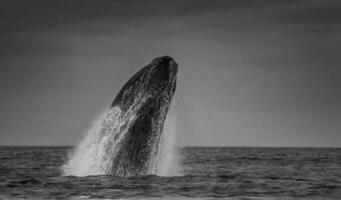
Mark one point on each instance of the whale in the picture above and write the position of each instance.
(127, 138)
(144, 101)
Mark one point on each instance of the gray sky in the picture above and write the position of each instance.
(252, 73)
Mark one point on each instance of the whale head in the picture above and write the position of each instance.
(156, 79)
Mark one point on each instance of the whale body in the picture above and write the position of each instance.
(144, 101)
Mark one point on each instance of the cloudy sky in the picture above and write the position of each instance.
(252, 73)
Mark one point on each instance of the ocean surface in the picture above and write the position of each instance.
(207, 173)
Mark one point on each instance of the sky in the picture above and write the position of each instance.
(251, 73)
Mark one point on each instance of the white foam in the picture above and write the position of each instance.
(169, 157)
(94, 155)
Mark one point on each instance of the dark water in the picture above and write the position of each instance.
(228, 173)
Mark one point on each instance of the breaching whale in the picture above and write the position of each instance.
(125, 140)
(144, 101)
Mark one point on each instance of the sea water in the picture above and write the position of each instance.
(207, 173)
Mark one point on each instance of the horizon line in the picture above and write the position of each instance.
(189, 146)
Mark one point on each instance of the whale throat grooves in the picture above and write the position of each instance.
(125, 140)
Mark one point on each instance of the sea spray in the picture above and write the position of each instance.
(94, 154)
(168, 158)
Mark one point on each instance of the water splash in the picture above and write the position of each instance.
(95, 153)
(168, 158)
